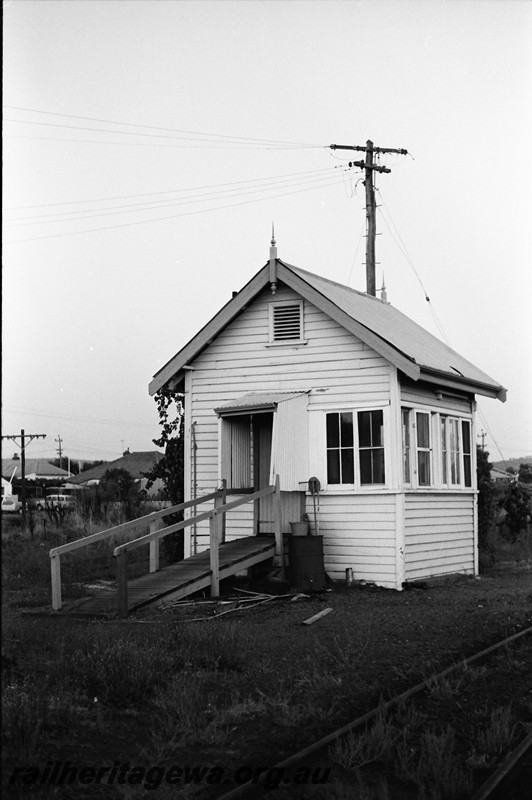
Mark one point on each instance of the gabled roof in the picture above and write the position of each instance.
(137, 464)
(33, 466)
(412, 349)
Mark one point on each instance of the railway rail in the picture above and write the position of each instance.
(507, 782)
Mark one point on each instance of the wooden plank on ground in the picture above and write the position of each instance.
(316, 617)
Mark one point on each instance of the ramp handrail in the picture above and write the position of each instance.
(216, 517)
(153, 519)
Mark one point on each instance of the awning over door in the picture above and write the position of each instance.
(256, 402)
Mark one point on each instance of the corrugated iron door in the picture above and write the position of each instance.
(262, 460)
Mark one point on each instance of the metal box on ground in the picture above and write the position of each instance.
(307, 571)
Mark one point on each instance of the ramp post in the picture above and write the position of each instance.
(223, 502)
(216, 531)
(214, 555)
(55, 566)
(156, 525)
(121, 583)
(278, 526)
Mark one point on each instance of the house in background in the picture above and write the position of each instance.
(501, 476)
(35, 469)
(299, 377)
(138, 465)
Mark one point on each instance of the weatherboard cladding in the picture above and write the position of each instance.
(438, 538)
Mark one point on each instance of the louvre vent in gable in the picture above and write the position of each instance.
(287, 322)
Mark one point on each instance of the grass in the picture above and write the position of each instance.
(417, 749)
(247, 686)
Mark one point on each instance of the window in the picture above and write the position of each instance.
(340, 448)
(443, 445)
(466, 450)
(405, 422)
(286, 322)
(371, 447)
(423, 448)
(351, 441)
(454, 450)
(456, 459)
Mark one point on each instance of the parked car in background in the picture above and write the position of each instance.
(53, 501)
(11, 504)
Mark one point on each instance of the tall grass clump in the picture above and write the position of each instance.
(23, 711)
(433, 766)
(216, 646)
(498, 734)
(120, 669)
(376, 743)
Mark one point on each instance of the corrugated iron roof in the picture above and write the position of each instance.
(396, 329)
(136, 463)
(407, 345)
(255, 401)
(33, 466)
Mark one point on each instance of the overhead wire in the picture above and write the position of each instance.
(168, 217)
(266, 185)
(183, 134)
(206, 146)
(486, 425)
(305, 173)
(403, 249)
(72, 418)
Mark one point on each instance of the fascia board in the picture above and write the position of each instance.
(485, 389)
(387, 351)
(198, 343)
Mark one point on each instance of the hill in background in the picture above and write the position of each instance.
(513, 462)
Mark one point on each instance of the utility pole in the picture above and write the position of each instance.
(482, 435)
(369, 168)
(23, 436)
(59, 450)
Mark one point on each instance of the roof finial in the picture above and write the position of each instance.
(384, 296)
(273, 262)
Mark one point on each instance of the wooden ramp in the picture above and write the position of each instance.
(180, 579)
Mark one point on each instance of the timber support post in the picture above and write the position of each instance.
(121, 583)
(224, 501)
(55, 567)
(278, 526)
(216, 527)
(156, 525)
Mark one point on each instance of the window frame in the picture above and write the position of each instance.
(372, 448)
(456, 459)
(450, 449)
(356, 485)
(425, 449)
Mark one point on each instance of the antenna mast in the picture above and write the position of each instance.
(369, 168)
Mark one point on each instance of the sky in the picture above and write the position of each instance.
(148, 146)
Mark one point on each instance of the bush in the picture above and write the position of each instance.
(518, 508)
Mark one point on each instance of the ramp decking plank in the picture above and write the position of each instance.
(181, 579)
